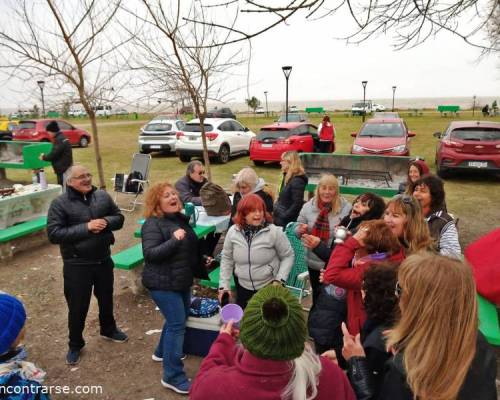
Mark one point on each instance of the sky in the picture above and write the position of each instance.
(325, 68)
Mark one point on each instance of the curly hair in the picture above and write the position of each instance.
(379, 237)
(153, 195)
(380, 300)
(436, 189)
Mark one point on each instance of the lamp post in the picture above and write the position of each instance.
(473, 104)
(287, 70)
(364, 98)
(267, 110)
(393, 94)
(41, 85)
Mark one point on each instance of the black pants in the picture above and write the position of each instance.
(323, 146)
(78, 283)
(209, 243)
(315, 284)
(243, 295)
(60, 179)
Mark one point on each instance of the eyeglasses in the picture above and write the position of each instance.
(200, 173)
(398, 290)
(81, 177)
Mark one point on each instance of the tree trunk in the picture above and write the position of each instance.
(95, 138)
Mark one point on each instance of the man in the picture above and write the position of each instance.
(189, 185)
(61, 155)
(81, 221)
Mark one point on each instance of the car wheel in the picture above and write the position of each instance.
(441, 172)
(258, 163)
(142, 151)
(223, 156)
(184, 157)
(84, 141)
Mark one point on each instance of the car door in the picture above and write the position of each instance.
(243, 136)
(69, 131)
(229, 136)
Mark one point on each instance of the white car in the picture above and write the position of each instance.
(225, 138)
(378, 107)
(77, 113)
(260, 110)
(160, 135)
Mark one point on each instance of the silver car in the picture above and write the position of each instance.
(160, 135)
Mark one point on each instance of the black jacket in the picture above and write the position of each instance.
(290, 201)
(170, 264)
(189, 190)
(61, 155)
(67, 225)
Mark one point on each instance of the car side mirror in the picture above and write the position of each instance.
(411, 134)
(354, 134)
(246, 129)
(437, 135)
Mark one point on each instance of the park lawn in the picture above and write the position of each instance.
(473, 198)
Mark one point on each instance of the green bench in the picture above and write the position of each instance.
(213, 280)
(448, 109)
(488, 320)
(318, 110)
(22, 229)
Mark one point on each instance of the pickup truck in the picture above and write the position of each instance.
(362, 108)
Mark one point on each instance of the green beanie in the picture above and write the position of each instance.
(273, 325)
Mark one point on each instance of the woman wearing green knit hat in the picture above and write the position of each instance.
(273, 361)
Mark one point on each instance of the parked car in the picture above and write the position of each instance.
(273, 140)
(260, 110)
(186, 110)
(468, 145)
(388, 137)
(293, 109)
(295, 117)
(225, 138)
(103, 111)
(121, 111)
(362, 108)
(6, 129)
(385, 114)
(224, 112)
(160, 135)
(77, 113)
(378, 107)
(34, 131)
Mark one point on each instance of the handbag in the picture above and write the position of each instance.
(215, 200)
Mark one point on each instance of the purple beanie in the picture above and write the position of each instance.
(12, 319)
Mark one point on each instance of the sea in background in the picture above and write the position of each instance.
(410, 103)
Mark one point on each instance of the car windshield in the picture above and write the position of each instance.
(158, 127)
(27, 125)
(358, 105)
(486, 134)
(292, 118)
(197, 128)
(385, 115)
(274, 133)
(382, 130)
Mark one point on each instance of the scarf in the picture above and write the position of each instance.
(249, 231)
(321, 226)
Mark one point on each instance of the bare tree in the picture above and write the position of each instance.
(411, 21)
(178, 57)
(69, 42)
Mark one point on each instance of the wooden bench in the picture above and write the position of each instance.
(18, 231)
(448, 109)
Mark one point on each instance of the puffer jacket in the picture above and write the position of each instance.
(170, 264)
(290, 201)
(189, 190)
(267, 257)
(308, 215)
(67, 221)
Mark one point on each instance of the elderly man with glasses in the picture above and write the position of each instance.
(190, 184)
(81, 221)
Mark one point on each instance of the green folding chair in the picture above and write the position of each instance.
(298, 279)
(488, 320)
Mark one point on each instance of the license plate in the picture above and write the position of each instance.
(155, 146)
(267, 145)
(478, 164)
(193, 138)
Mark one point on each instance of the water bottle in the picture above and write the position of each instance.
(43, 180)
(34, 178)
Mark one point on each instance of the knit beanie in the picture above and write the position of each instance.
(52, 126)
(12, 318)
(273, 325)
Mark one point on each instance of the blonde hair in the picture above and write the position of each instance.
(305, 376)
(416, 235)
(437, 330)
(153, 196)
(295, 167)
(329, 180)
(247, 176)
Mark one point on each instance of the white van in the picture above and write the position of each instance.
(103, 111)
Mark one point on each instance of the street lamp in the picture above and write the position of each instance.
(393, 94)
(364, 98)
(267, 110)
(41, 85)
(287, 70)
(473, 104)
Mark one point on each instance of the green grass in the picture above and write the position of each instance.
(474, 199)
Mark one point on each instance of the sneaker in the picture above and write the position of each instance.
(73, 357)
(117, 336)
(154, 357)
(181, 388)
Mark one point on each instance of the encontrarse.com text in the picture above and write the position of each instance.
(55, 389)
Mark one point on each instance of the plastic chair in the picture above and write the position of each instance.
(298, 278)
(140, 163)
(488, 320)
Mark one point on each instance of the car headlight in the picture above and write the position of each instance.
(399, 149)
(355, 147)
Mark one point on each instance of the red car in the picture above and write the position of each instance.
(468, 145)
(388, 137)
(273, 140)
(34, 131)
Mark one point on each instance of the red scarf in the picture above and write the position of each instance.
(321, 226)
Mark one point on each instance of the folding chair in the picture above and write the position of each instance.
(140, 164)
(298, 278)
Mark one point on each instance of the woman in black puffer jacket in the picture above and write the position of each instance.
(172, 257)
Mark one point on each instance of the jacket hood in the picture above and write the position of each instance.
(259, 186)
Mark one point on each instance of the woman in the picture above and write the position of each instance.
(291, 197)
(404, 217)
(326, 133)
(319, 217)
(429, 191)
(416, 169)
(246, 182)
(256, 251)
(274, 362)
(372, 243)
(172, 257)
(439, 353)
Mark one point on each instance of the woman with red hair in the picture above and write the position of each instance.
(256, 251)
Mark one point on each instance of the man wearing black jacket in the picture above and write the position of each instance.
(61, 155)
(81, 221)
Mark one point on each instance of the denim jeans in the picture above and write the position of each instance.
(175, 309)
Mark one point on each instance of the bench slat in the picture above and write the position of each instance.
(213, 281)
(129, 258)
(23, 229)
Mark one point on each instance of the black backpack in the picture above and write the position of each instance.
(133, 187)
